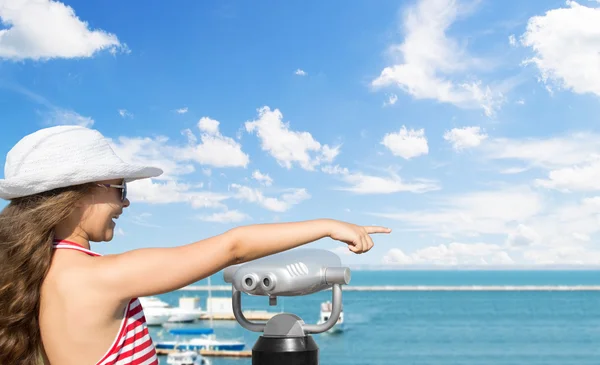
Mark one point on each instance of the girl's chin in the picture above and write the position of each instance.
(109, 232)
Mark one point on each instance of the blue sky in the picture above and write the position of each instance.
(468, 127)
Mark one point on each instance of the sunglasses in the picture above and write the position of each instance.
(122, 187)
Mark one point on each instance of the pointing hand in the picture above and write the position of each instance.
(356, 237)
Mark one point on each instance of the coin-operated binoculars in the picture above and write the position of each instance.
(286, 339)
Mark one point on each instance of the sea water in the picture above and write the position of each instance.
(440, 327)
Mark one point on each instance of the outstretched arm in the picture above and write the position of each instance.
(152, 271)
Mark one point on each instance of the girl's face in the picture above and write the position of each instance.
(101, 211)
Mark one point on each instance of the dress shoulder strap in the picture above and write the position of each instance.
(64, 244)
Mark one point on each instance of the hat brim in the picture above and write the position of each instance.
(41, 181)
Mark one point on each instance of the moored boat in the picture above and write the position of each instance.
(326, 308)
(205, 340)
(186, 357)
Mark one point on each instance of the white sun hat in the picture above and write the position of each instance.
(63, 156)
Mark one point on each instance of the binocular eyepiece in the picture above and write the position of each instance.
(251, 281)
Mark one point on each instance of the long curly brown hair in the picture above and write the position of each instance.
(26, 234)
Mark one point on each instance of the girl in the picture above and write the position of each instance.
(63, 304)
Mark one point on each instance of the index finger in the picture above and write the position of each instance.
(377, 229)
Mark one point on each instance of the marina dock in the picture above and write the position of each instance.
(213, 353)
(250, 315)
(432, 288)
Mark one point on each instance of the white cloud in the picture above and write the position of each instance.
(566, 47)
(166, 192)
(214, 149)
(523, 236)
(181, 110)
(557, 223)
(475, 213)
(434, 66)
(287, 146)
(453, 254)
(572, 161)
(45, 29)
(265, 179)
(406, 143)
(205, 199)
(337, 169)
(566, 255)
(360, 183)
(300, 72)
(463, 138)
(177, 160)
(208, 125)
(513, 170)
(547, 153)
(225, 217)
(585, 177)
(59, 116)
(512, 40)
(391, 100)
(342, 250)
(125, 114)
(537, 227)
(281, 204)
(581, 237)
(142, 220)
(53, 115)
(153, 151)
(367, 184)
(482, 254)
(191, 138)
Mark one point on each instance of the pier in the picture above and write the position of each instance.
(250, 315)
(212, 353)
(432, 288)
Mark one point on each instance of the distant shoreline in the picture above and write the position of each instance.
(430, 288)
(473, 268)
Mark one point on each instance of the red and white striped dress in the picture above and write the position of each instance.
(133, 344)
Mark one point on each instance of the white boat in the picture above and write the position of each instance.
(326, 308)
(156, 316)
(186, 358)
(182, 315)
(205, 340)
(153, 302)
(155, 310)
